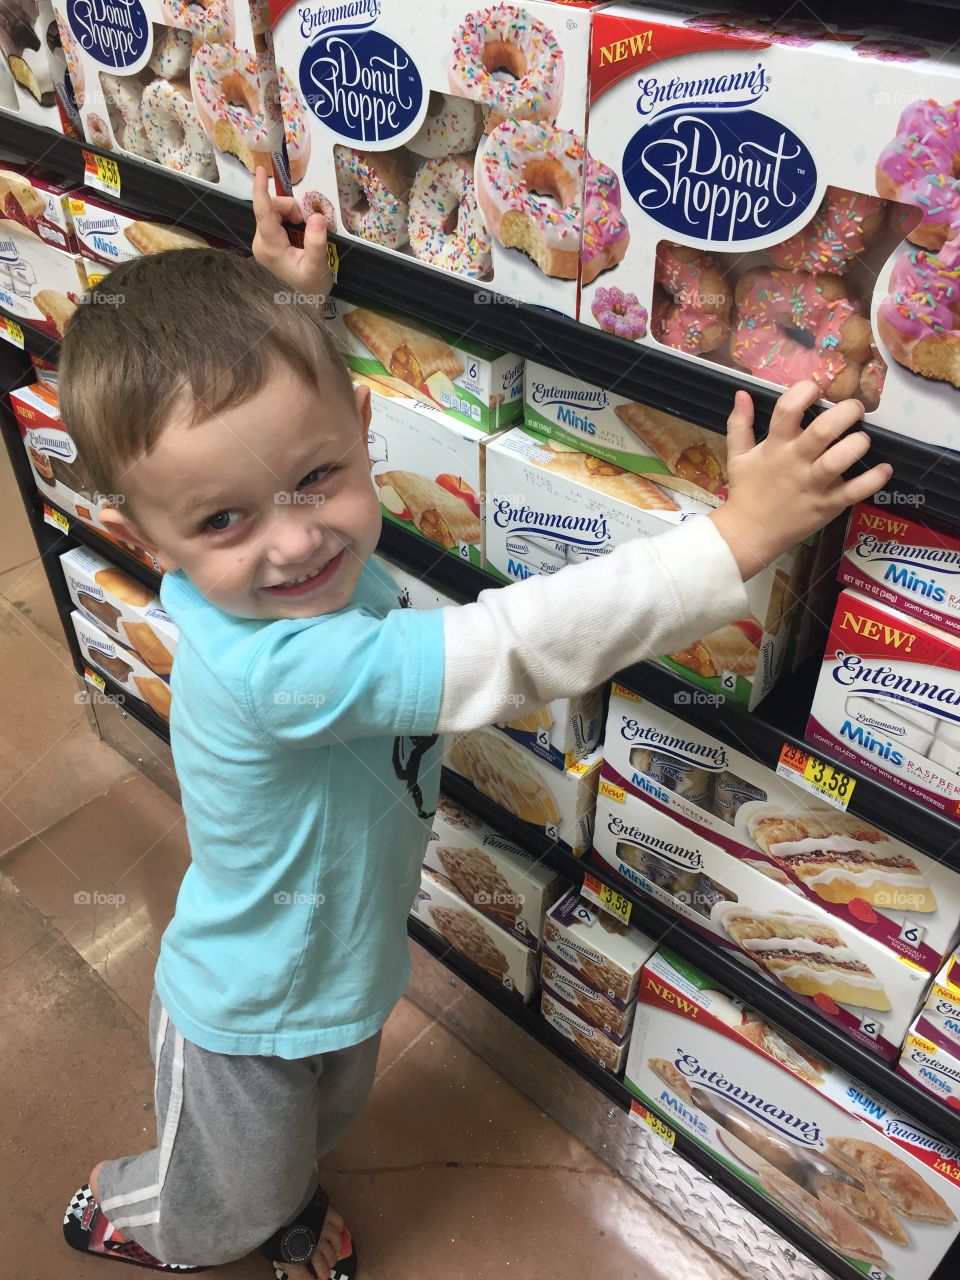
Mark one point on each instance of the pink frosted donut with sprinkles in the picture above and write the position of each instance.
(845, 224)
(890, 50)
(440, 189)
(920, 167)
(314, 202)
(522, 160)
(605, 231)
(209, 23)
(620, 313)
(506, 37)
(696, 315)
(295, 129)
(374, 193)
(920, 320)
(228, 94)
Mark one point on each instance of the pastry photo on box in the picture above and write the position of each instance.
(122, 665)
(587, 1037)
(38, 282)
(604, 953)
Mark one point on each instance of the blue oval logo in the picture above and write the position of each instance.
(114, 33)
(362, 85)
(719, 176)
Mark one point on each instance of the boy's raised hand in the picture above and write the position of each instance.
(305, 270)
(792, 483)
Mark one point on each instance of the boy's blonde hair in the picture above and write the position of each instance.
(194, 328)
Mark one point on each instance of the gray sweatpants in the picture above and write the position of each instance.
(238, 1140)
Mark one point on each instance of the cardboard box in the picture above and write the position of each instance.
(29, 68)
(605, 953)
(580, 998)
(348, 128)
(108, 235)
(500, 879)
(939, 1019)
(40, 202)
(492, 950)
(415, 593)
(678, 99)
(931, 1066)
(871, 1184)
(467, 380)
(911, 566)
(588, 1038)
(45, 371)
(122, 665)
(850, 980)
(38, 283)
(189, 90)
(122, 607)
(838, 861)
(887, 701)
(558, 802)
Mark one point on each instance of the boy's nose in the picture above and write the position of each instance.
(292, 539)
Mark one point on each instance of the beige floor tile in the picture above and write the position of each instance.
(17, 543)
(27, 589)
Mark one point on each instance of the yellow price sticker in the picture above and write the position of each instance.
(820, 777)
(608, 898)
(94, 278)
(658, 1126)
(333, 260)
(10, 330)
(92, 678)
(101, 173)
(56, 518)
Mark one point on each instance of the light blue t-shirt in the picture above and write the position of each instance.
(309, 769)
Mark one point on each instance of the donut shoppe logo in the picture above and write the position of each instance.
(775, 1117)
(585, 532)
(700, 754)
(115, 33)
(708, 165)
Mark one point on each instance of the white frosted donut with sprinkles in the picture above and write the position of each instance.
(72, 59)
(296, 131)
(452, 126)
(228, 94)
(123, 96)
(172, 126)
(530, 187)
(440, 189)
(171, 51)
(504, 37)
(374, 192)
(208, 22)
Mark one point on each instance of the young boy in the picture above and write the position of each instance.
(307, 711)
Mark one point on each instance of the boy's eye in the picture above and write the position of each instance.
(314, 476)
(221, 521)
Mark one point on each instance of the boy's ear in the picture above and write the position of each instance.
(123, 528)
(364, 407)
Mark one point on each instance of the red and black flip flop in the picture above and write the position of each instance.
(296, 1242)
(87, 1229)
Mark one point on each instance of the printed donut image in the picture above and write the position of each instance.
(452, 126)
(98, 131)
(172, 127)
(504, 37)
(228, 94)
(209, 21)
(793, 326)
(296, 131)
(123, 96)
(919, 168)
(314, 202)
(374, 191)
(620, 313)
(521, 160)
(444, 190)
(695, 317)
(919, 322)
(72, 59)
(798, 32)
(890, 50)
(171, 51)
(605, 231)
(845, 224)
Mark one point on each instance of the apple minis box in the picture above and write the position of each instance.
(122, 665)
(580, 998)
(192, 89)
(493, 950)
(838, 861)
(468, 380)
(723, 173)
(888, 701)
(587, 1037)
(852, 981)
(593, 946)
(123, 607)
(913, 567)
(557, 802)
(38, 283)
(500, 879)
(476, 115)
(931, 1066)
(871, 1184)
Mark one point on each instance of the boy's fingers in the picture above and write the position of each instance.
(740, 437)
(287, 207)
(315, 246)
(859, 488)
(261, 196)
(831, 465)
(790, 408)
(829, 426)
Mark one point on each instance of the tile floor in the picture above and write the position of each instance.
(450, 1171)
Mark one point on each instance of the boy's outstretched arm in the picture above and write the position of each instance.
(306, 270)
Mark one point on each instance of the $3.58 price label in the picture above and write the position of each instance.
(640, 1115)
(101, 173)
(606, 897)
(819, 777)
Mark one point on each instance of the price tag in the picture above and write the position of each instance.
(94, 278)
(10, 330)
(91, 677)
(333, 260)
(101, 173)
(607, 898)
(56, 518)
(816, 776)
(640, 1115)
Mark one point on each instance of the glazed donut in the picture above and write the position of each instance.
(314, 202)
(123, 96)
(845, 224)
(295, 128)
(208, 21)
(872, 379)
(920, 321)
(171, 51)
(790, 31)
(228, 94)
(505, 37)
(620, 313)
(605, 231)
(440, 189)
(451, 126)
(793, 326)
(695, 316)
(98, 132)
(919, 167)
(172, 126)
(72, 58)
(374, 190)
(521, 160)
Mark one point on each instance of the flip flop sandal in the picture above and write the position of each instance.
(298, 1241)
(87, 1228)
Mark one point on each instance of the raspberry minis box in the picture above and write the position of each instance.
(726, 175)
(468, 380)
(931, 1066)
(503, 881)
(109, 235)
(838, 861)
(871, 1184)
(606, 954)
(888, 700)
(40, 202)
(457, 141)
(852, 981)
(913, 567)
(38, 283)
(939, 1019)
(121, 664)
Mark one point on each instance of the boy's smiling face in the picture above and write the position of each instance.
(268, 507)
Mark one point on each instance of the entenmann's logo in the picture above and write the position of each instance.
(577, 531)
(701, 754)
(777, 1118)
(677, 854)
(575, 397)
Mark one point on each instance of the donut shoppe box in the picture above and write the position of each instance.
(38, 283)
(912, 566)
(600, 951)
(838, 861)
(122, 665)
(777, 242)
(888, 700)
(467, 380)
(41, 203)
(875, 1187)
(191, 88)
(30, 63)
(859, 985)
(456, 141)
(108, 235)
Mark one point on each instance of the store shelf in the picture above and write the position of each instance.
(111, 551)
(34, 341)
